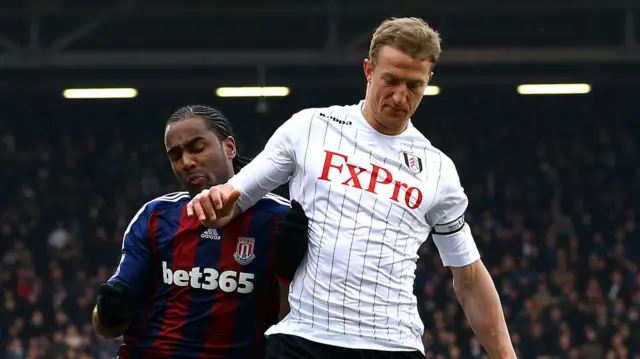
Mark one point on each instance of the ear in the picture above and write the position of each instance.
(229, 146)
(367, 66)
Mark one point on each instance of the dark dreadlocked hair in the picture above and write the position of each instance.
(216, 122)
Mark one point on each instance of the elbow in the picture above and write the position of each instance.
(463, 292)
(467, 279)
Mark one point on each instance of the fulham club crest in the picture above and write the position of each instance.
(413, 162)
(244, 250)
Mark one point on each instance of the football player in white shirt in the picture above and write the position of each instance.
(374, 188)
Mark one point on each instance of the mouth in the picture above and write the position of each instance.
(196, 180)
(395, 109)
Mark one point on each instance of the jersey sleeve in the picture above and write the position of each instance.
(451, 234)
(136, 252)
(274, 165)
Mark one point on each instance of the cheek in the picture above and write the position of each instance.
(217, 161)
(382, 92)
(415, 100)
(176, 168)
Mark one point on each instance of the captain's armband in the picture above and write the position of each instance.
(449, 228)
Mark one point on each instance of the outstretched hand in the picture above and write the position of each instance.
(213, 204)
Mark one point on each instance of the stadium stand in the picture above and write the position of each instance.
(553, 181)
(553, 184)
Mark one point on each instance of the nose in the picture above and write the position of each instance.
(400, 95)
(188, 163)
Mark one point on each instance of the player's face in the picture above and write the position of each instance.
(395, 86)
(197, 156)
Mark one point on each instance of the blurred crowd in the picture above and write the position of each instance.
(553, 186)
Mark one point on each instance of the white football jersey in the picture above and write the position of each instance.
(371, 200)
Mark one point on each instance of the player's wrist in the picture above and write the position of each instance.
(230, 186)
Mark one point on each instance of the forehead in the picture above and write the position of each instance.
(184, 130)
(398, 63)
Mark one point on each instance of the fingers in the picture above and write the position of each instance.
(204, 209)
(200, 206)
(205, 204)
(190, 209)
(223, 203)
(233, 198)
(208, 205)
(197, 206)
(215, 195)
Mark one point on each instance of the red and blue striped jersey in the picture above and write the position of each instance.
(208, 294)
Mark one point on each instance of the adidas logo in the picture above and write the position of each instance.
(210, 234)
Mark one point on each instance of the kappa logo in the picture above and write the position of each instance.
(413, 162)
(335, 119)
(245, 250)
(210, 234)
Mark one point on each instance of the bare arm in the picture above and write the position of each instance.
(471, 281)
(481, 304)
(109, 333)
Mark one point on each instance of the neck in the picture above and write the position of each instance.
(371, 118)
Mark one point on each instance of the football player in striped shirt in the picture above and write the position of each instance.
(374, 188)
(182, 290)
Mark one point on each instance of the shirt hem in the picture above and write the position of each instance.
(343, 340)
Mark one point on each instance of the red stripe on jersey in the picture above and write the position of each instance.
(225, 304)
(185, 243)
(152, 234)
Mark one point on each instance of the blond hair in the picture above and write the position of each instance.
(411, 35)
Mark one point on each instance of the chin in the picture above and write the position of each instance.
(194, 190)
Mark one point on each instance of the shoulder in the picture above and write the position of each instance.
(163, 203)
(301, 124)
(336, 113)
(168, 201)
(140, 221)
(446, 164)
(421, 141)
(448, 170)
(273, 204)
(302, 118)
